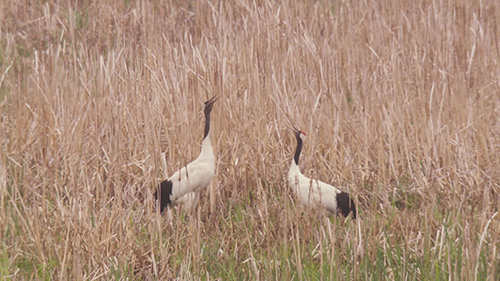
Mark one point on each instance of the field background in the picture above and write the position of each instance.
(101, 100)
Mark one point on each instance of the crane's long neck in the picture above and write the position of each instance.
(298, 150)
(206, 146)
(207, 125)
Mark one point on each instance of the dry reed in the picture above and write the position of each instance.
(102, 100)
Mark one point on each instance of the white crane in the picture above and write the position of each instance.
(312, 192)
(184, 186)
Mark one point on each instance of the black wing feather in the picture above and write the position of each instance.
(165, 190)
(345, 204)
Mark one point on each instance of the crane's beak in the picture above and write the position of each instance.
(213, 99)
(210, 103)
(294, 129)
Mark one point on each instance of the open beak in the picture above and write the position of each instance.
(294, 129)
(212, 100)
(210, 103)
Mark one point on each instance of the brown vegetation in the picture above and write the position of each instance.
(100, 101)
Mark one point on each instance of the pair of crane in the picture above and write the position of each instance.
(184, 186)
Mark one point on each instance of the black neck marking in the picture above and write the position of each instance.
(207, 124)
(299, 149)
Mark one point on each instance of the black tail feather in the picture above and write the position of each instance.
(165, 190)
(346, 205)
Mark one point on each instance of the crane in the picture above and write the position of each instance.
(312, 192)
(184, 186)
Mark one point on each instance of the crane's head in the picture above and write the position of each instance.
(298, 133)
(209, 104)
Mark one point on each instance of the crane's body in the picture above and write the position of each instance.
(196, 175)
(312, 192)
(183, 186)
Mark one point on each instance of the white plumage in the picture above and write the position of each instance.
(183, 186)
(312, 192)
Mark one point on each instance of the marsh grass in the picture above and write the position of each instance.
(101, 100)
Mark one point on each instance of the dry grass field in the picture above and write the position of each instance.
(102, 100)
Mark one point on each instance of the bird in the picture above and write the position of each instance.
(184, 186)
(313, 192)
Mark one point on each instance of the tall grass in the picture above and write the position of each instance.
(102, 100)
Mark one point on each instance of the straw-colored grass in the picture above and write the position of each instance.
(101, 100)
